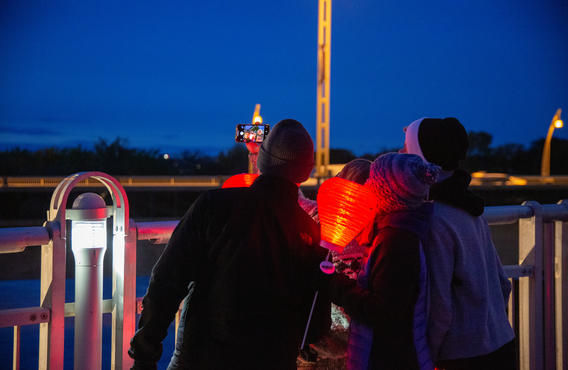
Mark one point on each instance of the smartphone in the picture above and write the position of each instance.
(249, 133)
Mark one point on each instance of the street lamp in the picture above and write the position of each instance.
(555, 123)
(88, 243)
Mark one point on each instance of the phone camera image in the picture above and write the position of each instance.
(249, 133)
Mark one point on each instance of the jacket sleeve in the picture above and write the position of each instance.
(441, 264)
(176, 268)
(393, 283)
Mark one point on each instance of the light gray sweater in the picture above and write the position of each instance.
(468, 290)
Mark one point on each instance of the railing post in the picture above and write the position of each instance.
(531, 241)
(561, 284)
(123, 296)
(51, 334)
(16, 352)
(549, 295)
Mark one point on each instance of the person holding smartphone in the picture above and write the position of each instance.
(243, 259)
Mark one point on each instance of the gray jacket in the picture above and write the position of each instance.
(468, 289)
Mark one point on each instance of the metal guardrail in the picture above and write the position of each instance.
(541, 278)
(479, 179)
(126, 181)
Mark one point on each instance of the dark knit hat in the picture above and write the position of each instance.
(443, 141)
(287, 152)
(401, 181)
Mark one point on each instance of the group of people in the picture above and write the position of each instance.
(245, 262)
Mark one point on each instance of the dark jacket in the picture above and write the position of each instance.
(244, 257)
(385, 301)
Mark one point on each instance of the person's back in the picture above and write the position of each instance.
(468, 326)
(467, 316)
(249, 308)
(243, 258)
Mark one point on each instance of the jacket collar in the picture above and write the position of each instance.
(454, 192)
(416, 221)
(276, 184)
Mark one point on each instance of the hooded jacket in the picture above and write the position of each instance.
(387, 305)
(468, 288)
(244, 257)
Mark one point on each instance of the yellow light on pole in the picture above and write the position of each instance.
(556, 123)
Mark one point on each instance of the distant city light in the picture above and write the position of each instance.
(166, 156)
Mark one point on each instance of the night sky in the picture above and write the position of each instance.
(177, 75)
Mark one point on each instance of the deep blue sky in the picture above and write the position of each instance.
(178, 75)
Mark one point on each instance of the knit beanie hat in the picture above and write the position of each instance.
(442, 141)
(401, 181)
(287, 152)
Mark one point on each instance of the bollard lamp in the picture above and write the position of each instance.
(88, 243)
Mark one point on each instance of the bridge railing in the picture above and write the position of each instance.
(538, 307)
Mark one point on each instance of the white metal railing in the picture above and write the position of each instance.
(478, 179)
(540, 288)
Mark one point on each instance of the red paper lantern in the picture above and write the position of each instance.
(344, 209)
(242, 180)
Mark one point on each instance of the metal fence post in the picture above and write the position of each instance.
(561, 284)
(51, 334)
(531, 235)
(123, 296)
(549, 295)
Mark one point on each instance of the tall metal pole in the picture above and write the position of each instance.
(323, 88)
(545, 164)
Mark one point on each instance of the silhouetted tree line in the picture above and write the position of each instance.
(117, 158)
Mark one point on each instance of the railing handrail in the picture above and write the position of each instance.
(16, 239)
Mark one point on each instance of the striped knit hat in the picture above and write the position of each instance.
(401, 181)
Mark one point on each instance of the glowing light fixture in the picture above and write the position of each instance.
(88, 243)
(344, 208)
(242, 180)
(545, 161)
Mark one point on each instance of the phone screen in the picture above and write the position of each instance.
(249, 133)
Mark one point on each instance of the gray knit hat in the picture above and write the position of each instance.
(401, 181)
(287, 152)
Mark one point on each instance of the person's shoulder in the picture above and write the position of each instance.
(395, 237)
(447, 214)
(225, 195)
